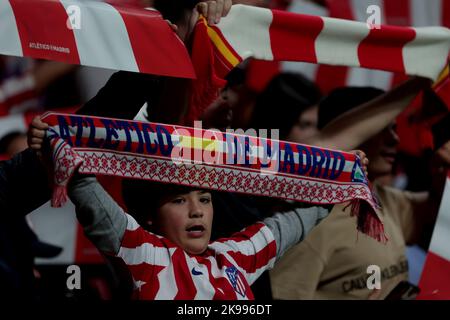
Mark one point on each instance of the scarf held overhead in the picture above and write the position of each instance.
(93, 34)
(274, 35)
(208, 159)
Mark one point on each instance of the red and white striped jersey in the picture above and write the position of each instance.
(162, 270)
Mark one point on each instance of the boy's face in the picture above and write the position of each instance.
(186, 220)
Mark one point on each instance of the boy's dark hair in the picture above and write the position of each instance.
(174, 10)
(143, 198)
(285, 98)
(6, 140)
(342, 100)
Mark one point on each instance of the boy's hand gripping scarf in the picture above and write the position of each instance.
(274, 35)
(209, 159)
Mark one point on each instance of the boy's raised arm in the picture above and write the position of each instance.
(103, 220)
(352, 128)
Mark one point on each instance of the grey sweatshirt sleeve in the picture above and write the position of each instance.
(103, 220)
(292, 227)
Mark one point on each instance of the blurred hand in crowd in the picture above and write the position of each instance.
(212, 10)
(364, 160)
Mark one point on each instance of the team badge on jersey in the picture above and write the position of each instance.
(236, 280)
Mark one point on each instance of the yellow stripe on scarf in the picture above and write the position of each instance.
(220, 45)
(444, 74)
(200, 143)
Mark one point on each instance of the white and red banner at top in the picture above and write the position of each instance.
(273, 35)
(284, 36)
(126, 38)
(92, 34)
(415, 13)
(102, 35)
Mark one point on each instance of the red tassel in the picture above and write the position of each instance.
(367, 220)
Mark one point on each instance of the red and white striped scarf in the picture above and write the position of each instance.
(274, 35)
(117, 38)
(211, 160)
(414, 13)
(92, 34)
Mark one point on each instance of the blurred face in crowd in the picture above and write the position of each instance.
(186, 220)
(241, 102)
(306, 126)
(381, 151)
(234, 107)
(218, 114)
